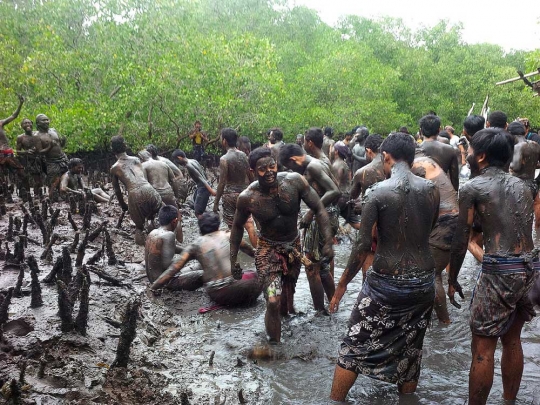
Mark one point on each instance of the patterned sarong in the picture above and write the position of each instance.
(387, 328)
(56, 167)
(502, 292)
(228, 202)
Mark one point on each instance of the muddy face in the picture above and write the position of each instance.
(266, 170)
(27, 126)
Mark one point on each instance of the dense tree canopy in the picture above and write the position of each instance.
(149, 68)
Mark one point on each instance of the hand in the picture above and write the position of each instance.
(452, 288)
(21, 98)
(334, 303)
(306, 220)
(236, 271)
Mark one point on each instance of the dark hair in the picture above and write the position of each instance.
(278, 133)
(429, 125)
(167, 214)
(118, 144)
(373, 142)
(473, 124)
(257, 154)
(405, 130)
(152, 150)
(400, 145)
(316, 136)
(288, 151)
(27, 119)
(245, 142)
(329, 132)
(516, 128)
(496, 143)
(230, 135)
(444, 134)
(74, 162)
(178, 153)
(497, 119)
(209, 222)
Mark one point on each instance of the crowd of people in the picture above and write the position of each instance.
(401, 192)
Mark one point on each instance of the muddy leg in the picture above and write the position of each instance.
(315, 284)
(481, 373)
(407, 387)
(343, 381)
(442, 258)
(327, 280)
(272, 319)
(512, 360)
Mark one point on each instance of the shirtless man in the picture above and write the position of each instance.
(443, 154)
(72, 182)
(342, 173)
(328, 142)
(144, 201)
(389, 319)
(179, 181)
(28, 147)
(244, 145)
(234, 177)
(198, 175)
(313, 142)
(440, 240)
(275, 139)
(161, 177)
(321, 179)
(7, 159)
(359, 149)
(500, 304)
(212, 250)
(51, 149)
(274, 201)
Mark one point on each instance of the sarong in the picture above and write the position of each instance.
(277, 263)
(33, 164)
(387, 328)
(443, 232)
(8, 159)
(231, 292)
(314, 238)
(228, 202)
(144, 202)
(502, 293)
(56, 167)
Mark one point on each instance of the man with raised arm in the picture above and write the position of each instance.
(28, 147)
(7, 159)
(274, 201)
(391, 314)
(503, 204)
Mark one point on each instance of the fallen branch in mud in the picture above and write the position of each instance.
(105, 276)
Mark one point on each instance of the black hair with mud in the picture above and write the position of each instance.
(209, 222)
(473, 124)
(496, 143)
(74, 162)
(152, 149)
(329, 132)
(288, 151)
(374, 142)
(230, 135)
(118, 145)
(429, 125)
(178, 153)
(516, 128)
(401, 146)
(497, 119)
(316, 136)
(167, 214)
(257, 154)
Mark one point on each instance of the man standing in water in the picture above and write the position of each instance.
(7, 159)
(503, 204)
(144, 201)
(390, 317)
(234, 177)
(274, 201)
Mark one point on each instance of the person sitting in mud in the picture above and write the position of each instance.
(161, 250)
(500, 305)
(72, 182)
(440, 240)
(28, 147)
(144, 201)
(274, 201)
(443, 154)
(313, 142)
(342, 173)
(179, 186)
(320, 178)
(212, 251)
(234, 177)
(391, 314)
(7, 159)
(198, 175)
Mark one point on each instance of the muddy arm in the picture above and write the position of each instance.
(64, 185)
(453, 172)
(237, 230)
(331, 193)
(15, 114)
(223, 172)
(118, 192)
(173, 269)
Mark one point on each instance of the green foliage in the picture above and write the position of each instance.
(149, 69)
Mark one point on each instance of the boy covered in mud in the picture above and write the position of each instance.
(212, 251)
(72, 182)
(274, 201)
(389, 319)
(320, 178)
(144, 201)
(500, 305)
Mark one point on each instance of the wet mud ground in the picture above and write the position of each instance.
(170, 357)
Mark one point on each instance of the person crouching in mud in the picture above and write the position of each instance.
(212, 251)
(503, 204)
(274, 201)
(390, 317)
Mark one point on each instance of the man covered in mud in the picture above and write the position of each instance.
(320, 178)
(328, 142)
(144, 201)
(179, 181)
(72, 182)
(389, 319)
(212, 250)
(274, 201)
(161, 177)
(51, 149)
(440, 240)
(161, 250)
(359, 159)
(443, 154)
(234, 177)
(28, 147)
(313, 142)
(342, 173)
(500, 305)
(7, 159)
(198, 175)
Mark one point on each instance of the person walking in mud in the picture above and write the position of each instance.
(198, 138)
(443, 154)
(342, 173)
(7, 159)
(389, 319)
(72, 182)
(320, 178)
(144, 201)
(274, 201)
(234, 177)
(179, 181)
(440, 240)
(198, 175)
(212, 250)
(500, 305)
(28, 147)
(161, 177)
(328, 142)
